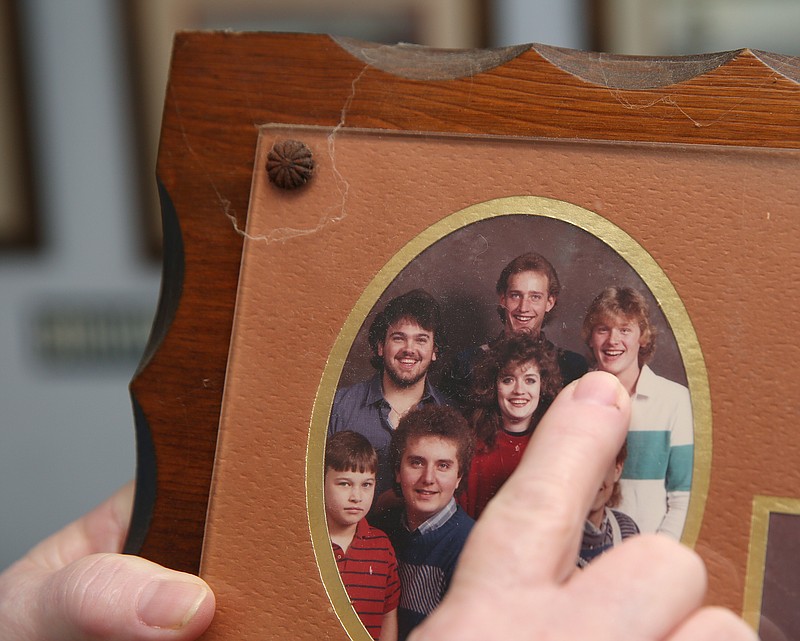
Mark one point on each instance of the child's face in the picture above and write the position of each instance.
(612, 476)
(518, 390)
(428, 477)
(615, 344)
(348, 496)
(526, 301)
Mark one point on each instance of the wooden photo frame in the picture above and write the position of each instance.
(686, 167)
(149, 27)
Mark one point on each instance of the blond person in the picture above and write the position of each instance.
(658, 473)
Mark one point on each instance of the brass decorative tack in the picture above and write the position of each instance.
(289, 164)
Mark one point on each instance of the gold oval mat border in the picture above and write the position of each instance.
(613, 236)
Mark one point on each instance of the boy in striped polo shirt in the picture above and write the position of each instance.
(658, 473)
(364, 555)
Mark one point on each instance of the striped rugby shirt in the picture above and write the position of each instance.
(369, 573)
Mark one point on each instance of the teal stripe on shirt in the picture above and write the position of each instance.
(679, 475)
(648, 455)
(650, 458)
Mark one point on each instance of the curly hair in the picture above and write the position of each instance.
(504, 355)
(417, 306)
(621, 302)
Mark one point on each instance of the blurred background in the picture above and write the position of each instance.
(83, 84)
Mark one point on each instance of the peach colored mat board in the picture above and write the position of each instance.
(709, 233)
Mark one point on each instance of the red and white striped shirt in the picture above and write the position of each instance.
(369, 573)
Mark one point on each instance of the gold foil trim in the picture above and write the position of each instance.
(763, 507)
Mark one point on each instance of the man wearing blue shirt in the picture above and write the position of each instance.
(405, 339)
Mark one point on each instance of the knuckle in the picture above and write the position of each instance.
(89, 594)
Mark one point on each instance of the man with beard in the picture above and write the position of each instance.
(405, 339)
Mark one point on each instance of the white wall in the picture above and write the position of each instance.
(66, 436)
(554, 22)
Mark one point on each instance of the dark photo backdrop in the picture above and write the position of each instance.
(461, 271)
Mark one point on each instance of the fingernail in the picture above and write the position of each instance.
(170, 604)
(598, 388)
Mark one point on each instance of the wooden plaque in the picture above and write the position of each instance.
(432, 167)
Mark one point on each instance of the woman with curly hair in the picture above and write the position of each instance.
(512, 388)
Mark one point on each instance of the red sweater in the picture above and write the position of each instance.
(490, 468)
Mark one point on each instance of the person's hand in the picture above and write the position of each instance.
(516, 578)
(74, 587)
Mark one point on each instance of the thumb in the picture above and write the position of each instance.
(108, 597)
